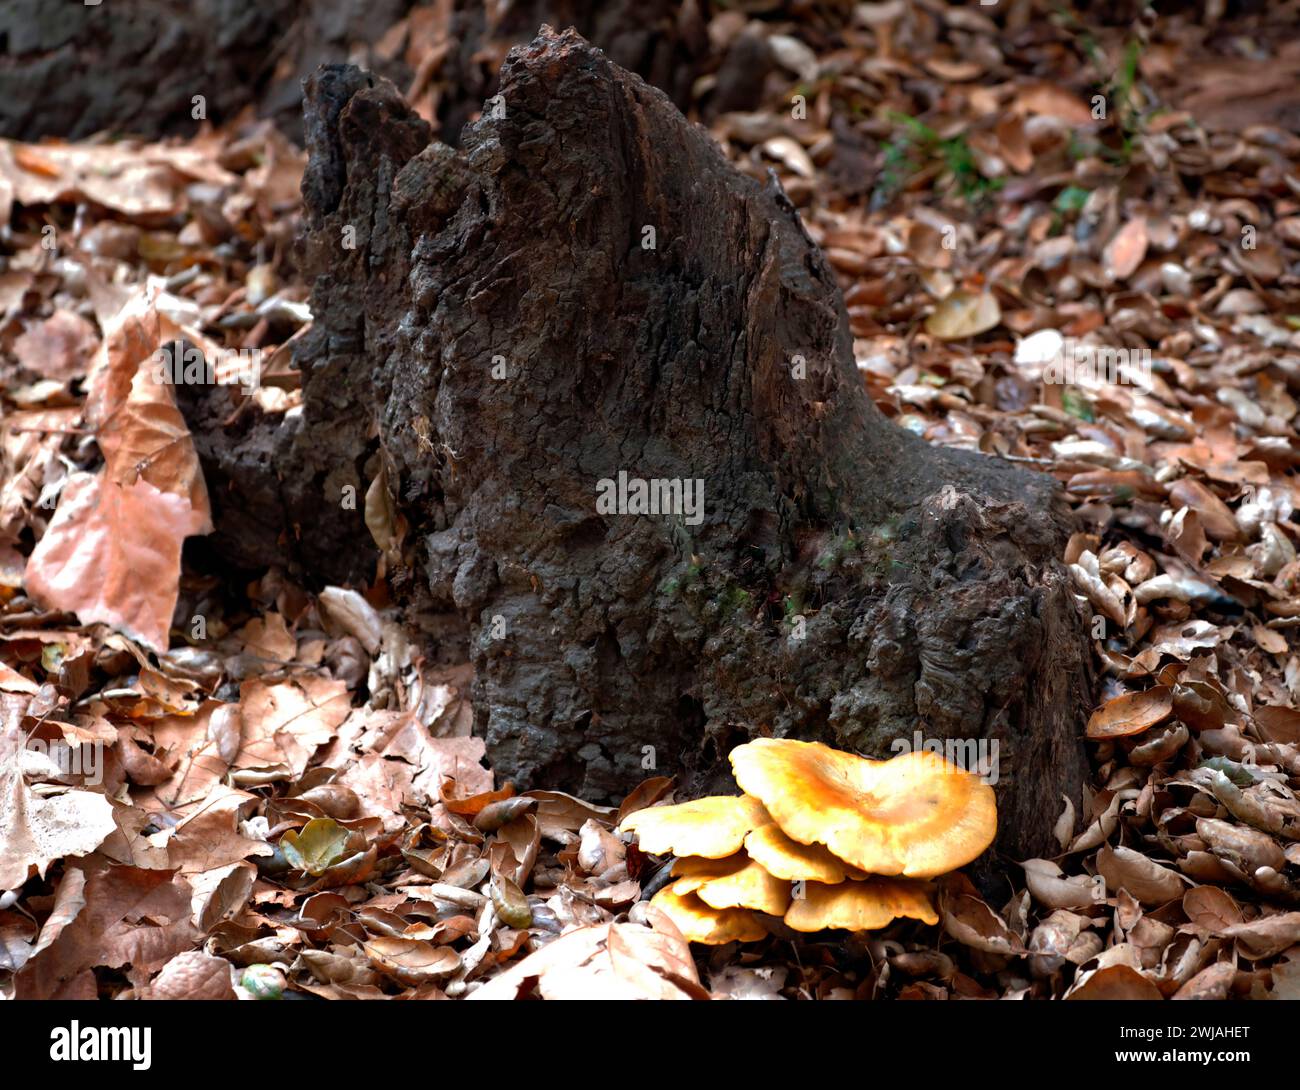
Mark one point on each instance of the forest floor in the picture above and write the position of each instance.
(991, 209)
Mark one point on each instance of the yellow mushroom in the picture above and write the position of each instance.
(859, 906)
(788, 859)
(740, 883)
(916, 815)
(711, 926)
(711, 827)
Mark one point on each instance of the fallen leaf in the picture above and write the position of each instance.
(1144, 878)
(1116, 982)
(112, 553)
(37, 829)
(193, 975)
(1131, 713)
(963, 314)
(1126, 249)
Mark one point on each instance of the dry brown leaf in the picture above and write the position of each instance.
(1126, 249)
(411, 961)
(1211, 909)
(193, 975)
(282, 724)
(1152, 884)
(138, 426)
(134, 919)
(1052, 888)
(37, 829)
(137, 180)
(1266, 936)
(1052, 100)
(1219, 522)
(1211, 982)
(604, 961)
(59, 348)
(963, 314)
(1131, 713)
(972, 923)
(112, 553)
(1115, 982)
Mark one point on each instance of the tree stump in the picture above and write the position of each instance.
(584, 296)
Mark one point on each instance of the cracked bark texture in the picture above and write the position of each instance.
(70, 69)
(927, 579)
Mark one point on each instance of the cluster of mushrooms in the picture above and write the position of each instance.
(820, 838)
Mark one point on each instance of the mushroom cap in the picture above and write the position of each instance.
(711, 827)
(777, 854)
(859, 906)
(693, 871)
(916, 815)
(737, 882)
(710, 926)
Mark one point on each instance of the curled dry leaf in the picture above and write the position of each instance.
(1049, 886)
(1267, 806)
(559, 814)
(791, 153)
(598, 848)
(352, 613)
(1144, 878)
(1211, 982)
(1158, 745)
(1103, 599)
(1105, 823)
(1266, 936)
(972, 923)
(1063, 830)
(1062, 937)
(1131, 713)
(133, 410)
(1214, 515)
(411, 961)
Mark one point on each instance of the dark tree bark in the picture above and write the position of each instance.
(927, 580)
(70, 69)
(663, 41)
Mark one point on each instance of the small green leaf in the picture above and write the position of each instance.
(263, 981)
(1071, 199)
(1237, 773)
(1077, 405)
(52, 656)
(315, 847)
(511, 904)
